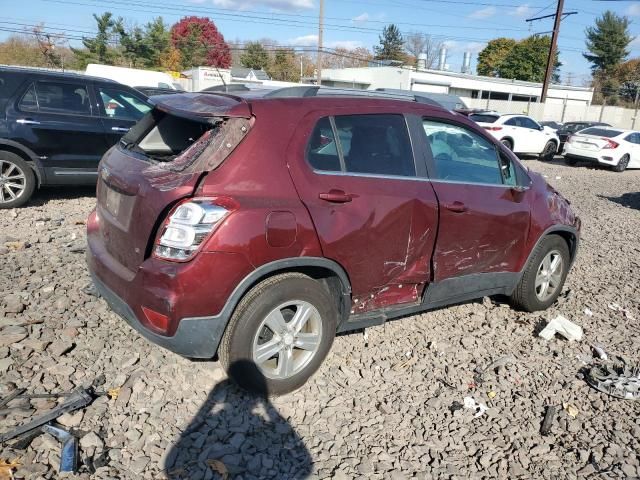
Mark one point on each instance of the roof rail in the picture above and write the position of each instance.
(316, 91)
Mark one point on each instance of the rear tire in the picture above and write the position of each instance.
(549, 151)
(17, 181)
(541, 284)
(261, 350)
(507, 143)
(622, 164)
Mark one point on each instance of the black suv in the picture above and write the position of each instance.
(55, 127)
(569, 128)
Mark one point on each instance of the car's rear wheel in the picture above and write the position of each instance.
(544, 275)
(622, 164)
(279, 334)
(570, 161)
(507, 143)
(549, 151)
(17, 181)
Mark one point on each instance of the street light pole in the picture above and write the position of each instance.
(320, 31)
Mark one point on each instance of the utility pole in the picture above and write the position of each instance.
(320, 31)
(559, 15)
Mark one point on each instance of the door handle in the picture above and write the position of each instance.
(27, 121)
(120, 129)
(335, 196)
(457, 207)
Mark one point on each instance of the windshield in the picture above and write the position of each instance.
(483, 118)
(601, 132)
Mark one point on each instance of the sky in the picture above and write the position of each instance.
(464, 25)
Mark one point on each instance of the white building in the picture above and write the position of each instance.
(460, 84)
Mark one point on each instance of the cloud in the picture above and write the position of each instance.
(522, 11)
(362, 18)
(633, 10)
(274, 4)
(454, 46)
(483, 13)
(304, 41)
(348, 44)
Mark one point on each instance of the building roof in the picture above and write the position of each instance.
(242, 72)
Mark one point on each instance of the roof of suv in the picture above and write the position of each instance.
(52, 73)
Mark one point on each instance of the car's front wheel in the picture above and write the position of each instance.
(507, 143)
(17, 181)
(544, 275)
(549, 151)
(279, 334)
(622, 164)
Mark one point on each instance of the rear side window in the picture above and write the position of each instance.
(461, 155)
(121, 104)
(29, 102)
(376, 144)
(478, 117)
(601, 132)
(63, 98)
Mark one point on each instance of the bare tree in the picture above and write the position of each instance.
(48, 44)
(417, 43)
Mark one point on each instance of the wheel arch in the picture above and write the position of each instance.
(26, 154)
(567, 233)
(510, 140)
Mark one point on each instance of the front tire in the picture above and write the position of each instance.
(544, 275)
(622, 164)
(279, 334)
(17, 181)
(549, 151)
(507, 143)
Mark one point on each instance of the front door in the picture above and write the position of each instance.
(375, 214)
(484, 214)
(54, 119)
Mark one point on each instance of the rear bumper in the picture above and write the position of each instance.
(599, 159)
(194, 337)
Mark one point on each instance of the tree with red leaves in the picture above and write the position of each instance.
(200, 43)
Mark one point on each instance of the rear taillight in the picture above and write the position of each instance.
(493, 129)
(610, 143)
(186, 227)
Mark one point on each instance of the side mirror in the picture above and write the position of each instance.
(540, 127)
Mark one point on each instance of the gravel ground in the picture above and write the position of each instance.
(385, 404)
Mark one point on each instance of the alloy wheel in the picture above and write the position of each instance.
(549, 275)
(287, 339)
(13, 181)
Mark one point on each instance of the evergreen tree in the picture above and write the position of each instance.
(391, 44)
(97, 49)
(608, 42)
(255, 56)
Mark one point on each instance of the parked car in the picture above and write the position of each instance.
(445, 100)
(215, 233)
(470, 111)
(151, 91)
(134, 77)
(520, 134)
(55, 127)
(552, 125)
(614, 147)
(570, 128)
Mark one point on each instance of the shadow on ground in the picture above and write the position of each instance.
(46, 194)
(630, 200)
(241, 433)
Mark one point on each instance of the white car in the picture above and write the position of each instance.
(520, 134)
(618, 148)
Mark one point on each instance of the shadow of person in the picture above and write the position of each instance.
(241, 430)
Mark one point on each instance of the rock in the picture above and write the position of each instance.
(365, 467)
(13, 304)
(139, 464)
(91, 440)
(11, 335)
(60, 348)
(71, 419)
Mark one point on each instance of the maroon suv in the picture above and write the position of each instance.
(256, 228)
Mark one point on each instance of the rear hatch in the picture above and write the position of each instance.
(159, 162)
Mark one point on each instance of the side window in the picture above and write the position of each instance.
(633, 138)
(377, 144)
(29, 102)
(461, 155)
(70, 98)
(322, 152)
(528, 123)
(121, 104)
(512, 122)
(509, 170)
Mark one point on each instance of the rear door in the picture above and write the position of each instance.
(373, 210)
(484, 218)
(54, 119)
(119, 109)
(536, 134)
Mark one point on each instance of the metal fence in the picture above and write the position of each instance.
(562, 112)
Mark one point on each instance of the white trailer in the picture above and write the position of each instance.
(133, 77)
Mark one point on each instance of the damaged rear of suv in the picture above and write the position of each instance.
(256, 228)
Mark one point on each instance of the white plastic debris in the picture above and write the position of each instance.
(588, 312)
(618, 308)
(564, 327)
(600, 353)
(558, 178)
(478, 408)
